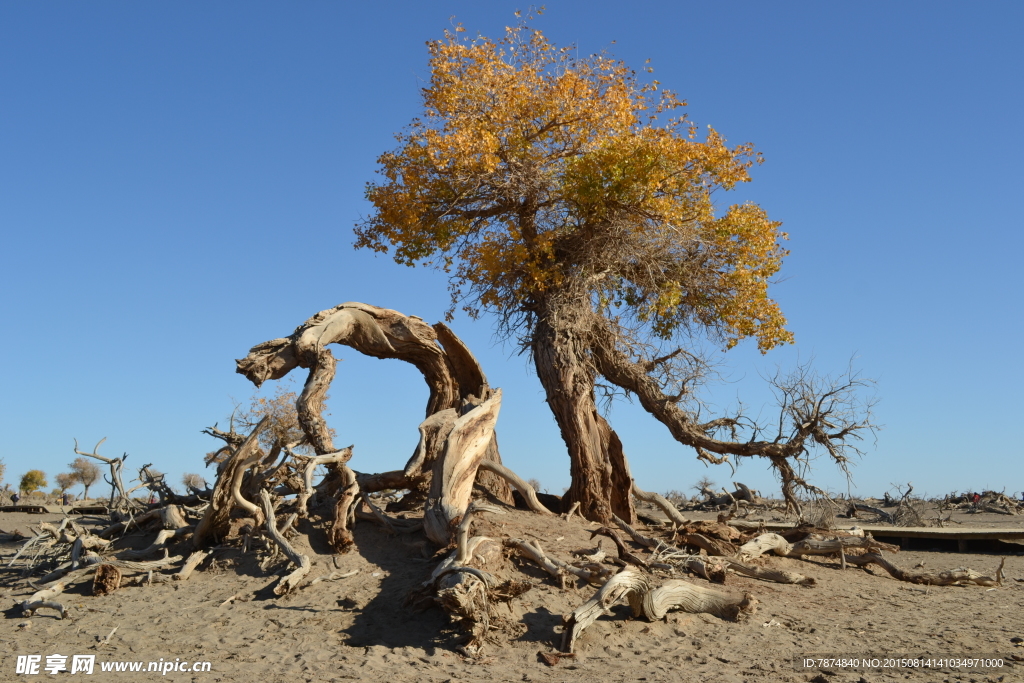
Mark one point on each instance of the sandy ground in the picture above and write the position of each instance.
(358, 628)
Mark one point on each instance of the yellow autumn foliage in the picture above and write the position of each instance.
(532, 172)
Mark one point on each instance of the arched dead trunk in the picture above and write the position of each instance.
(452, 374)
(601, 481)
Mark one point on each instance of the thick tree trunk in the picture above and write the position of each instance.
(601, 482)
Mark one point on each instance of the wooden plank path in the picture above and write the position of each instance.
(86, 509)
(962, 535)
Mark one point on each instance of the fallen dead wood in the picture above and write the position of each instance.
(679, 594)
(817, 545)
(392, 524)
(769, 574)
(955, 577)
(764, 543)
(670, 510)
(712, 570)
(527, 491)
(625, 554)
(860, 507)
(712, 546)
(652, 602)
(159, 543)
(290, 582)
(45, 598)
(333, 576)
(29, 608)
(193, 561)
(591, 572)
(614, 589)
(107, 579)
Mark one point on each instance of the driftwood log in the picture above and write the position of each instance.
(652, 602)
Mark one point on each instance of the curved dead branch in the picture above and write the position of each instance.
(302, 565)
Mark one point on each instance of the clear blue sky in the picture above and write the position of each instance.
(179, 181)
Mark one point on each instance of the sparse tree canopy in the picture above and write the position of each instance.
(284, 419)
(193, 482)
(66, 480)
(575, 203)
(86, 472)
(32, 480)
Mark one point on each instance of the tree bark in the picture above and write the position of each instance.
(451, 372)
(601, 481)
(455, 470)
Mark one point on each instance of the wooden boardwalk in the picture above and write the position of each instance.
(962, 535)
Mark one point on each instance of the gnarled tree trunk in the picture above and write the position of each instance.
(601, 481)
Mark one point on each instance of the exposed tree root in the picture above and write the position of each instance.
(291, 582)
(954, 577)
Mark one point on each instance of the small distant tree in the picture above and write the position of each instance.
(33, 480)
(194, 482)
(65, 480)
(704, 483)
(3, 469)
(85, 472)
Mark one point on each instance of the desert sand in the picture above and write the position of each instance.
(359, 627)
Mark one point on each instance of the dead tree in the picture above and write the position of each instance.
(456, 382)
(120, 500)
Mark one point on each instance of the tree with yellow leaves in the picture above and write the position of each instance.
(574, 203)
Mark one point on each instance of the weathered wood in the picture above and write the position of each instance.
(769, 574)
(193, 561)
(159, 543)
(955, 577)
(107, 579)
(679, 594)
(591, 572)
(463, 580)
(670, 510)
(764, 543)
(455, 470)
(340, 535)
(217, 519)
(712, 546)
(381, 333)
(29, 608)
(625, 554)
(624, 584)
(291, 582)
(816, 544)
(528, 493)
(309, 464)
